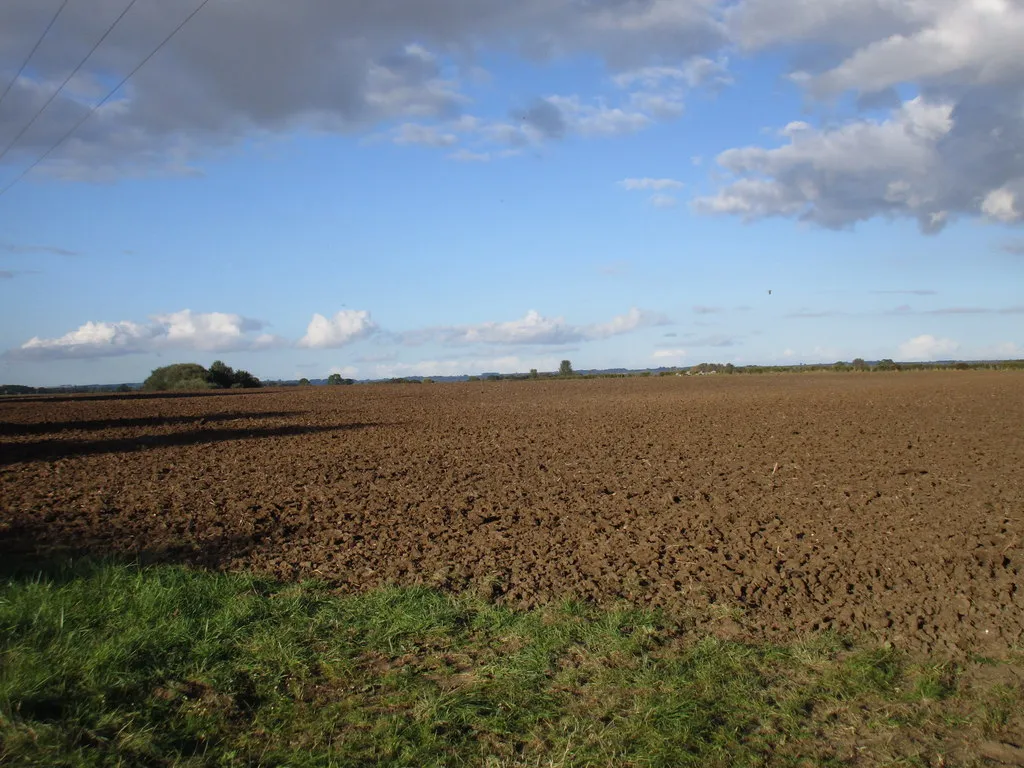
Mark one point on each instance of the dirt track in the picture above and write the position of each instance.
(887, 503)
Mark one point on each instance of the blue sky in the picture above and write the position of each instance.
(454, 187)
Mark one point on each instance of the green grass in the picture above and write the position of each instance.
(112, 664)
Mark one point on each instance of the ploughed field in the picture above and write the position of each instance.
(760, 506)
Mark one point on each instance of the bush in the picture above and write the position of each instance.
(225, 377)
(179, 376)
(185, 376)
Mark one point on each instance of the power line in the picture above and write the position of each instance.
(32, 53)
(105, 99)
(66, 80)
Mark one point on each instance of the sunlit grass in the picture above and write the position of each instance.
(108, 664)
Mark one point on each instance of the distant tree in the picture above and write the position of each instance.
(887, 365)
(859, 364)
(565, 369)
(17, 389)
(334, 379)
(428, 380)
(534, 374)
(473, 378)
(178, 376)
(221, 376)
(245, 380)
(303, 382)
(124, 388)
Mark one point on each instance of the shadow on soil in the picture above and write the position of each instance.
(29, 552)
(50, 450)
(95, 425)
(133, 396)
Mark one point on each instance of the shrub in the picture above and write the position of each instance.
(178, 377)
(225, 377)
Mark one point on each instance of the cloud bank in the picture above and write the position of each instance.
(186, 330)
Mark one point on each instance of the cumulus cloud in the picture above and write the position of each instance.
(952, 150)
(201, 331)
(837, 176)
(927, 347)
(337, 67)
(345, 327)
(536, 329)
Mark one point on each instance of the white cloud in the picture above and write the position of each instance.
(345, 327)
(347, 371)
(656, 185)
(468, 156)
(927, 347)
(598, 119)
(669, 354)
(535, 329)
(696, 72)
(200, 331)
(463, 367)
(951, 151)
(1002, 205)
(424, 135)
(663, 201)
(837, 176)
(338, 67)
(1006, 350)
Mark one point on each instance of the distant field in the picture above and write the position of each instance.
(887, 506)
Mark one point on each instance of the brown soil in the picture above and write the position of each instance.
(888, 504)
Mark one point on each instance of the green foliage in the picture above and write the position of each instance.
(304, 382)
(565, 369)
(335, 380)
(534, 374)
(191, 376)
(887, 365)
(16, 389)
(180, 376)
(221, 376)
(108, 664)
(859, 364)
(225, 377)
